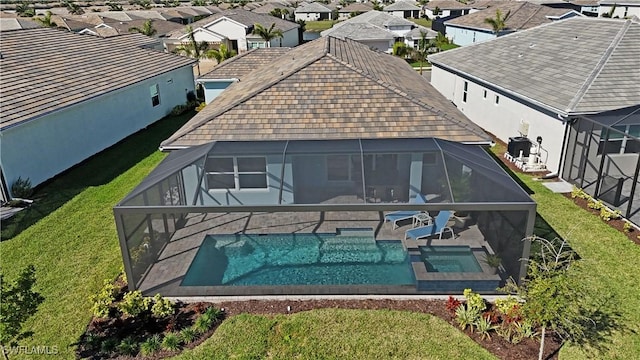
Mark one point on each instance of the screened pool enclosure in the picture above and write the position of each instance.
(386, 216)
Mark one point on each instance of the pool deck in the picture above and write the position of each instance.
(175, 259)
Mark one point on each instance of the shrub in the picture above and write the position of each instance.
(466, 316)
(21, 188)
(171, 342)
(203, 324)
(108, 345)
(608, 215)
(161, 307)
(128, 346)
(579, 193)
(201, 106)
(627, 227)
(484, 327)
(150, 346)
(452, 305)
(214, 313)
(133, 303)
(594, 204)
(91, 340)
(178, 110)
(102, 301)
(188, 335)
(474, 301)
(504, 305)
(525, 329)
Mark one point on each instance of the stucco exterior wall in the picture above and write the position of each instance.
(232, 30)
(464, 37)
(505, 118)
(44, 147)
(307, 16)
(289, 39)
(621, 11)
(214, 88)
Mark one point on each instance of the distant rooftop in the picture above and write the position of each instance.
(579, 65)
(243, 64)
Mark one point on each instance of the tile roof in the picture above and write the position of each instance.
(356, 7)
(371, 25)
(402, 6)
(329, 89)
(313, 8)
(267, 8)
(66, 68)
(7, 23)
(578, 65)
(239, 66)
(522, 15)
(245, 17)
(448, 5)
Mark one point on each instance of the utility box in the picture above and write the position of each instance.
(518, 144)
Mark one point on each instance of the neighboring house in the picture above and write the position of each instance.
(283, 180)
(353, 10)
(312, 12)
(446, 8)
(267, 8)
(234, 28)
(232, 70)
(55, 116)
(524, 88)
(469, 29)
(379, 30)
(403, 9)
(10, 21)
(621, 9)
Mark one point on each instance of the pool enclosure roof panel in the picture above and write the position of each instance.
(327, 172)
(619, 119)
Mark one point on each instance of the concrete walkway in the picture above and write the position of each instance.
(558, 186)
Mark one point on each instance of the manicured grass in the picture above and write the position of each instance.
(424, 22)
(338, 334)
(319, 25)
(73, 241)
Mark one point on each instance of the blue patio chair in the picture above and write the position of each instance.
(396, 216)
(438, 227)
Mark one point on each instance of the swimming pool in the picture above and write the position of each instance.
(449, 259)
(298, 259)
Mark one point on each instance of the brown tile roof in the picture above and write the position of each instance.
(239, 66)
(66, 68)
(329, 89)
(522, 15)
(356, 7)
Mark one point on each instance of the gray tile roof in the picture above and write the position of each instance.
(241, 65)
(522, 15)
(356, 7)
(368, 26)
(313, 8)
(245, 17)
(7, 23)
(448, 5)
(578, 65)
(66, 68)
(402, 6)
(329, 89)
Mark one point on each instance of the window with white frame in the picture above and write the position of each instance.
(236, 173)
(464, 91)
(155, 94)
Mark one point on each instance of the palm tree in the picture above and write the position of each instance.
(45, 20)
(24, 10)
(73, 8)
(422, 50)
(441, 41)
(193, 48)
(267, 34)
(114, 6)
(146, 29)
(221, 54)
(499, 22)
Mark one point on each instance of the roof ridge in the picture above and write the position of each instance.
(248, 95)
(599, 66)
(524, 23)
(402, 93)
(226, 63)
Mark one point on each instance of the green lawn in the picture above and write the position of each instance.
(70, 236)
(319, 25)
(73, 241)
(424, 22)
(338, 334)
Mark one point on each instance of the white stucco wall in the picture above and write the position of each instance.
(307, 16)
(42, 148)
(621, 11)
(289, 39)
(232, 30)
(382, 45)
(503, 119)
(464, 37)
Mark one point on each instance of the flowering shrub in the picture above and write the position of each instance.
(452, 304)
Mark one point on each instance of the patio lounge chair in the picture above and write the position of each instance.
(438, 227)
(396, 216)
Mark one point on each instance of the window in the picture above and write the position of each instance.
(236, 173)
(497, 99)
(155, 94)
(464, 91)
(619, 143)
(484, 94)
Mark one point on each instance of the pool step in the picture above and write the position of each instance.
(350, 249)
(359, 232)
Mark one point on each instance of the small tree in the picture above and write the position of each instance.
(45, 20)
(24, 9)
(267, 34)
(498, 23)
(400, 49)
(556, 299)
(19, 302)
(114, 6)
(194, 49)
(221, 54)
(146, 29)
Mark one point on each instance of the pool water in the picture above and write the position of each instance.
(298, 259)
(449, 259)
